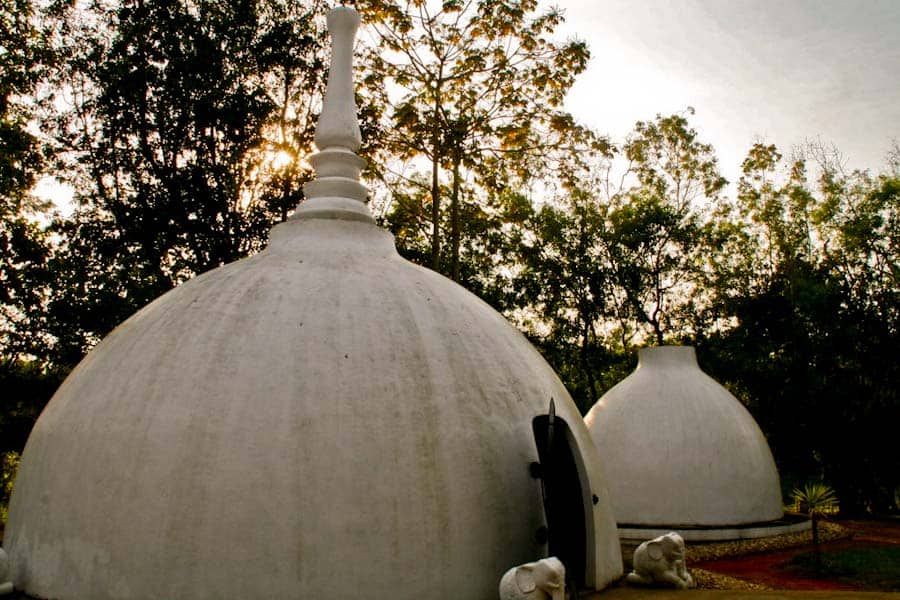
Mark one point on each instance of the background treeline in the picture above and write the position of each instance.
(182, 128)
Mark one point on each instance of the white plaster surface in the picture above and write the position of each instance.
(679, 449)
(322, 420)
(338, 125)
(6, 586)
(717, 534)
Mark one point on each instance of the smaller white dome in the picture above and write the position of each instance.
(680, 450)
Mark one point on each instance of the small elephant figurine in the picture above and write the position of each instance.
(541, 580)
(661, 561)
(6, 587)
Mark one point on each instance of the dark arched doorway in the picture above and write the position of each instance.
(563, 494)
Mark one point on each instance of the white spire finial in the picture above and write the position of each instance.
(337, 123)
(336, 192)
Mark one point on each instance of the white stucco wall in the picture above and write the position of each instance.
(323, 420)
(679, 449)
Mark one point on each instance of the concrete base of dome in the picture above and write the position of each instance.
(694, 533)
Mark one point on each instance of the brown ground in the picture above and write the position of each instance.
(762, 568)
(754, 569)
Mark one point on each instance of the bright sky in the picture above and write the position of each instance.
(782, 71)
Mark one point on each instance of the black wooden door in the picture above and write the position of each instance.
(563, 498)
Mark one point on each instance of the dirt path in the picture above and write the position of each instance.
(768, 568)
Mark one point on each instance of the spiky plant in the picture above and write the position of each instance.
(816, 498)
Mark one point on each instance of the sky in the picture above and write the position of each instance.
(781, 72)
(778, 71)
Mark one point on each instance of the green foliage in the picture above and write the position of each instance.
(660, 244)
(26, 279)
(606, 266)
(9, 466)
(27, 387)
(815, 497)
(871, 569)
(182, 133)
(475, 89)
(24, 246)
(813, 310)
(563, 280)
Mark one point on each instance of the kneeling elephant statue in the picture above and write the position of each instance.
(661, 561)
(541, 580)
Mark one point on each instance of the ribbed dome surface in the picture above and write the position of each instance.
(679, 449)
(323, 420)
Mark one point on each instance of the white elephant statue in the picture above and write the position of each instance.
(541, 580)
(661, 561)
(6, 586)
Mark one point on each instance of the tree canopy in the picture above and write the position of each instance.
(474, 88)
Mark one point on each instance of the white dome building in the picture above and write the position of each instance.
(682, 453)
(322, 420)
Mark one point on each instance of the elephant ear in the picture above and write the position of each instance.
(655, 550)
(525, 579)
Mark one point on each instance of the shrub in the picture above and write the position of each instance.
(9, 465)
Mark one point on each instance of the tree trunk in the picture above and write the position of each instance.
(454, 218)
(588, 368)
(814, 517)
(657, 330)
(436, 155)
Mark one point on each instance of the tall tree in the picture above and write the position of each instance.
(657, 242)
(617, 256)
(184, 134)
(24, 247)
(814, 312)
(477, 89)
(564, 285)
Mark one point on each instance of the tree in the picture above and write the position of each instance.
(184, 134)
(813, 309)
(564, 282)
(25, 378)
(657, 241)
(23, 245)
(478, 90)
(609, 260)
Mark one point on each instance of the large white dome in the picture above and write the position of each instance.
(322, 420)
(680, 450)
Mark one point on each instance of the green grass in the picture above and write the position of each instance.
(876, 568)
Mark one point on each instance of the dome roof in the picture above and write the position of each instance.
(322, 420)
(679, 449)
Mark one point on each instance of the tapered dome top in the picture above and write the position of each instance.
(322, 420)
(679, 449)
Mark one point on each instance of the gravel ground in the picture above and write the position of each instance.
(707, 580)
(699, 552)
